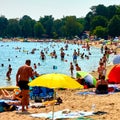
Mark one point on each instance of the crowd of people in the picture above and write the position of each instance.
(26, 72)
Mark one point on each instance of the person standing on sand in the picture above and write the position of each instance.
(22, 80)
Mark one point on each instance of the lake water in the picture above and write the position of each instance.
(17, 58)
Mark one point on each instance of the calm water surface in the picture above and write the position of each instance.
(18, 56)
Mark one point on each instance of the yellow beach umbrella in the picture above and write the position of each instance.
(55, 80)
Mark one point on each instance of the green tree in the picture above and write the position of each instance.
(72, 27)
(47, 23)
(3, 26)
(88, 18)
(114, 26)
(100, 31)
(98, 21)
(100, 10)
(57, 28)
(13, 28)
(38, 30)
(112, 10)
(118, 10)
(27, 26)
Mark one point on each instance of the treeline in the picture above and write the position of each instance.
(101, 21)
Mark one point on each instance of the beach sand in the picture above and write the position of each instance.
(106, 103)
(109, 103)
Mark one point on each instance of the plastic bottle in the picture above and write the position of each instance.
(93, 107)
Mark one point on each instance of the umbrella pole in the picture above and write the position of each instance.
(54, 96)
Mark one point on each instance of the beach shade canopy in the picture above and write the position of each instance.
(87, 77)
(81, 74)
(116, 59)
(55, 80)
(114, 74)
(90, 79)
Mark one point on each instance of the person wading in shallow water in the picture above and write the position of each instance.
(22, 80)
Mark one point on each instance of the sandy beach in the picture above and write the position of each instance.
(72, 101)
(108, 103)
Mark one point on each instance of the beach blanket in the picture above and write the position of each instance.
(92, 93)
(63, 114)
(112, 88)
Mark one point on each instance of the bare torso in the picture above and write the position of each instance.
(24, 73)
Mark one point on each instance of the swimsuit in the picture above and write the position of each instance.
(102, 89)
(23, 85)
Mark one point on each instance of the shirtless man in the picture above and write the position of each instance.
(22, 80)
(101, 70)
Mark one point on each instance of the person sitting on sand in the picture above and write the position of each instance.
(14, 96)
(101, 86)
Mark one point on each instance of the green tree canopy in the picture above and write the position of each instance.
(27, 26)
(38, 30)
(100, 31)
(3, 25)
(98, 21)
(114, 26)
(13, 28)
(47, 22)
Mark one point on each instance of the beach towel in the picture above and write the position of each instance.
(63, 114)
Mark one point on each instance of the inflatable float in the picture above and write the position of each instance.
(9, 88)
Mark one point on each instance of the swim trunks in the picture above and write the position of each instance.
(23, 85)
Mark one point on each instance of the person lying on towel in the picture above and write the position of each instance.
(4, 94)
(102, 86)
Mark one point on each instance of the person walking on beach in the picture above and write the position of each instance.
(22, 80)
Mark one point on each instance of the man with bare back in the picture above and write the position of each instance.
(22, 80)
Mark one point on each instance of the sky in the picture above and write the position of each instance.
(57, 8)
